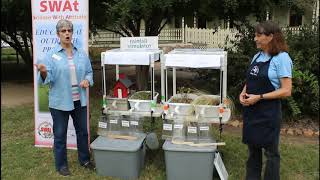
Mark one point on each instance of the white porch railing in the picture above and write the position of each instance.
(294, 30)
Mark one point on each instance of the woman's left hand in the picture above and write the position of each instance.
(84, 83)
(252, 99)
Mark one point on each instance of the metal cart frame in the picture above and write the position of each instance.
(119, 57)
(218, 61)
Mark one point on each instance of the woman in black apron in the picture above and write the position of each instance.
(268, 79)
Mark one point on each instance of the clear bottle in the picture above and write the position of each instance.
(167, 128)
(179, 130)
(114, 124)
(204, 129)
(125, 125)
(192, 131)
(103, 125)
(136, 124)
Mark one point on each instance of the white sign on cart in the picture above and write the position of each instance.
(148, 42)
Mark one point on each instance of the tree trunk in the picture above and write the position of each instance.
(142, 74)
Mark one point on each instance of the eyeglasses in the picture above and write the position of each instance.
(65, 30)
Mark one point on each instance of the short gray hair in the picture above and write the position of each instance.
(64, 23)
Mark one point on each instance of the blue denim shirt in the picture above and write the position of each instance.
(58, 77)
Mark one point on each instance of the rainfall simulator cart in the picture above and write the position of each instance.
(120, 149)
(190, 149)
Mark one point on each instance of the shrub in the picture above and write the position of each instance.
(304, 51)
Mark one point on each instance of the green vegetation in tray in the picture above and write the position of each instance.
(141, 95)
(184, 96)
(206, 100)
(181, 100)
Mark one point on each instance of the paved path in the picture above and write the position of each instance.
(13, 94)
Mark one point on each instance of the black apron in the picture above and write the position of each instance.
(261, 126)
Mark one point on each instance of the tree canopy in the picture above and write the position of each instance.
(16, 27)
(124, 16)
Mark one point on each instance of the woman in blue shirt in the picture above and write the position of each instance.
(68, 72)
(268, 79)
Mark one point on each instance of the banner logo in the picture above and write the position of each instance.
(45, 130)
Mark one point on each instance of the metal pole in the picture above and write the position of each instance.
(183, 31)
(104, 97)
(166, 83)
(225, 65)
(163, 96)
(174, 82)
(221, 81)
(152, 78)
(117, 72)
(104, 73)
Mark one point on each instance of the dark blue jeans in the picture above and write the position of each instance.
(60, 127)
(254, 163)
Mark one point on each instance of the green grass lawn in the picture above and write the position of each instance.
(21, 160)
(9, 55)
(8, 50)
(43, 93)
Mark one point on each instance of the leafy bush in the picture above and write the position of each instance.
(304, 51)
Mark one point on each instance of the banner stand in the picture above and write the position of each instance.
(45, 15)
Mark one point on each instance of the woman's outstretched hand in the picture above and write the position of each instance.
(41, 67)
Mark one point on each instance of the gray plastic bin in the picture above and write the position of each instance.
(184, 162)
(119, 158)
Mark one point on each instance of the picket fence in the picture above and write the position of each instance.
(110, 39)
(212, 38)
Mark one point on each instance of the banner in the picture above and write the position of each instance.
(45, 15)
